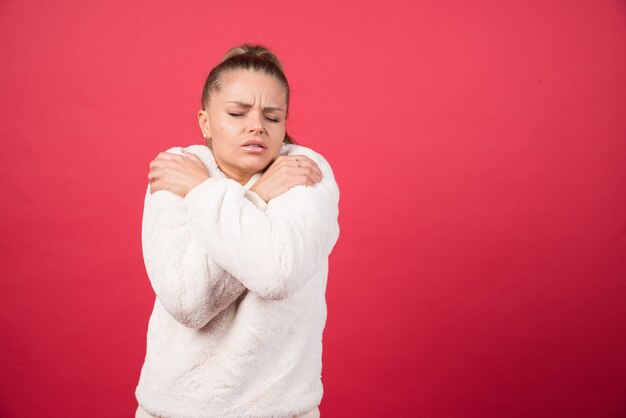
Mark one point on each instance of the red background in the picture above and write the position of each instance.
(480, 149)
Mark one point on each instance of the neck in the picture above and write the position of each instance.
(240, 177)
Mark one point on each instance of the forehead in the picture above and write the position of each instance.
(251, 86)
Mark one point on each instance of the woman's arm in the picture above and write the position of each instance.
(275, 252)
(191, 287)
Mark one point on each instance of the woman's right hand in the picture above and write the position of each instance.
(285, 172)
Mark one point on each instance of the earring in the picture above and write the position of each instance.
(204, 135)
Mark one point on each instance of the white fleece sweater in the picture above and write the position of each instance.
(236, 328)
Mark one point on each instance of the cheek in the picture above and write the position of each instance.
(278, 132)
(225, 133)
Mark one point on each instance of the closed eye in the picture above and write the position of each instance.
(237, 115)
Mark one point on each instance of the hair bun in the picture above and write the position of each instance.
(255, 50)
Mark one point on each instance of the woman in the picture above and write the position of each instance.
(236, 237)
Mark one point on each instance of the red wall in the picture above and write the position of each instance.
(480, 148)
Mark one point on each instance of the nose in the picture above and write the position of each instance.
(255, 124)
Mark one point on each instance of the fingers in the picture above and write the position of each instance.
(307, 170)
(168, 156)
(191, 155)
(176, 173)
(155, 185)
(302, 164)
(153, 175)
(307, 175)
(171, 156)
(156, 164)
(166, 159)
(298, 160)
(285, 172)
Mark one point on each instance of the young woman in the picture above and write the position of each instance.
(236, 237)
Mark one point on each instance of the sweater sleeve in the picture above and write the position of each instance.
(191, 286)
(272, 252)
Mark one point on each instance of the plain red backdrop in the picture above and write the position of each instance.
(480, 149)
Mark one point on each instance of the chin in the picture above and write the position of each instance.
(255, 166)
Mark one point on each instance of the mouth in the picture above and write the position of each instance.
(254, 146)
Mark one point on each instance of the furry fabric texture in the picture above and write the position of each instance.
(236, 328)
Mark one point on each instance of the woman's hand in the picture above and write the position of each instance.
(284, 173)
(178, 174)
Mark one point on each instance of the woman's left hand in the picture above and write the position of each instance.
(176, 173)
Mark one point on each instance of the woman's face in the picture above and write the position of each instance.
(245, 120)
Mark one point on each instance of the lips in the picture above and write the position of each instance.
(254, 146)
(254, 142)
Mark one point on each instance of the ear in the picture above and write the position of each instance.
(205, 124)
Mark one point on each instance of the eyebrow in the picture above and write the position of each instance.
(248, 105)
